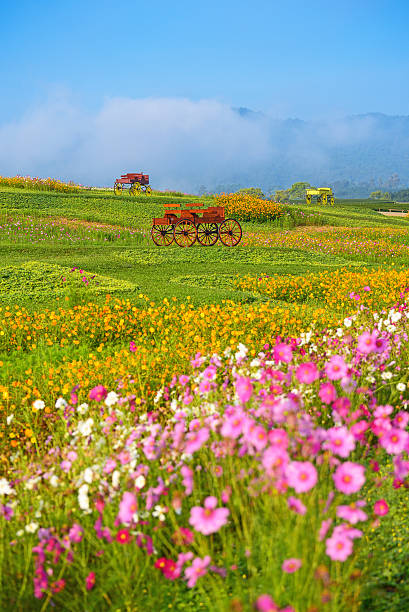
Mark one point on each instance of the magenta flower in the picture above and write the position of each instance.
(340, 441)
(352, 513)
(349, 477)
(275, 459)
(195, 440)
(381, 507)
(196, 570)
(325, 525)
(90, 581)
(244, 388)
(394, 440)
(366, 343)
(265, 603)
(327, 393)
(209, 519)
(132, 346)
(75, 533)
(98, 393)
(291, 565)
(339, 547)
(301, 475)
(233, 425)
(336, 368)
(127, 508)
(307, 372)
(282, 352)
(296, 504)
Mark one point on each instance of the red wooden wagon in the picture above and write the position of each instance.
(138, 183)
(185, 226)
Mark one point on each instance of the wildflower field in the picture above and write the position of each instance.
(206, 428)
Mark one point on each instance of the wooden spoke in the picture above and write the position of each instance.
(162, 235)
(207, 234)
(118, 188)
(230, 232)
(185, 233)
(135, 189)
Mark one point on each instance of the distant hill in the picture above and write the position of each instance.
(355, 155)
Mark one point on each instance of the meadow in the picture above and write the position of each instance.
(204, 428)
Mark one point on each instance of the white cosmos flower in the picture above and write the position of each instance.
(5, 488)
(88, 475)
(38, 404)
(82, 409)
(111, 399)
(140, 481)
(54, 481)
(115, 479)
(60, 403)
(85, 427)
(10, 418)
(401, 386)
(31, 527)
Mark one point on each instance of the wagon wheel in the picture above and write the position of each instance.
(118, 188)
(162, 235)
(207, 234)
(135, 189)
(230, 232)
(185, 233)
(148, 190)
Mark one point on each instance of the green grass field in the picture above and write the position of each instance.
(61, 255)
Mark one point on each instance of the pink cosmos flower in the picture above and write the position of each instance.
(340, 441)
(205, 386)
(265, 603)
(366, 343)
(132, 346)
(336, 368)
(339, 547)
(65, 465)
(195, 440)
(291, 565)
(209, 373)
(123, 536)
(98, 393)
(301, 475)
(278, 437)
(275, 459)
(352, 513)
(349, 477)
(233, 425)
(209, 519)
(296, 504)
(327, 393)
(282, 352)
(381, 507)
(127, 507)
(90, 581)
(109, 466)
(258, 437)
(401, 419)
(196, 570)
(394, 440)
(75, 533)
(325, 525)
(183, 379)
(244, 388)
(307, 372)
(347, 531)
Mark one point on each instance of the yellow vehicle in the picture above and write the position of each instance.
(324, 195)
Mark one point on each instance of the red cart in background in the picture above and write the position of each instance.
(138, 184)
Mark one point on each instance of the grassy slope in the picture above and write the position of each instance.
(204, 274)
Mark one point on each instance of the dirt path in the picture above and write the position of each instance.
(393, 214)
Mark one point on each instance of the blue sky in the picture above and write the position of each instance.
(287, 58)
(91, 89)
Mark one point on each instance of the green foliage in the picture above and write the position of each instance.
(380, 195)
(252, 191)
